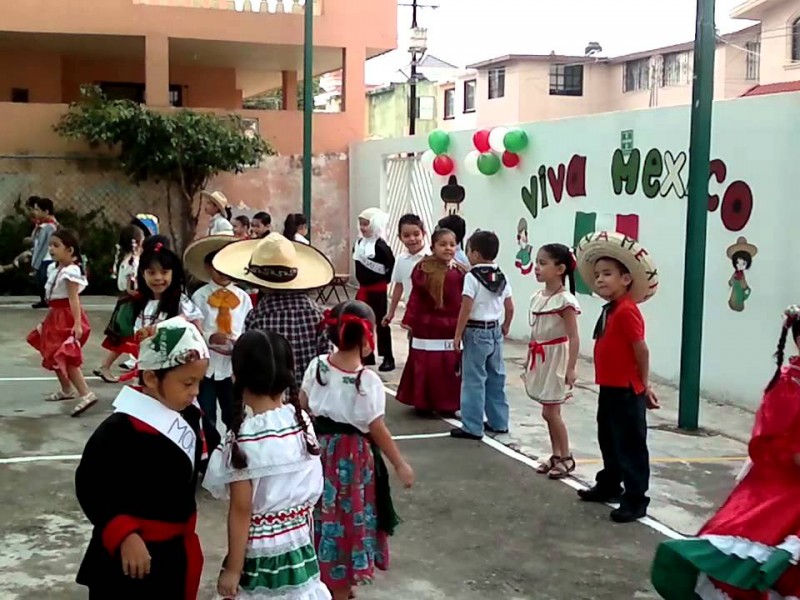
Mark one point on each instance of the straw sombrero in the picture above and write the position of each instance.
(609, 244)
(195, 255)
(275, 263)
(217, 198)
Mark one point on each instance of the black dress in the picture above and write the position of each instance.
(374, 276)
(134, 478)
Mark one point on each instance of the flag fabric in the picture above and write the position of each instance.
(586, 223)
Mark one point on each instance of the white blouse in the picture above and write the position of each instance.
(337, 397)
(299, 237)
(219, 225)
(57, 279)
(150, 316)
(126, 272)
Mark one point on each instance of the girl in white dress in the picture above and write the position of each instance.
(269, 468)
(553, 350)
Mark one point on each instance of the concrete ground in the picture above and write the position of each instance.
(479, 524)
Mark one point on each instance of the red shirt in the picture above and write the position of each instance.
(614, 361)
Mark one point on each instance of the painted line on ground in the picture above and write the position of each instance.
(33, 379)
(572, 482)
(29, 459)
(421, 436)
(711, 460)
(85, 307)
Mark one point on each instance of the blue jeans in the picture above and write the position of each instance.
(483, 381)
(211, 391)
(41, 278)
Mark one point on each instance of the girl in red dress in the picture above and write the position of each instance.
(749, 550)
(65, 330)
(431, 380)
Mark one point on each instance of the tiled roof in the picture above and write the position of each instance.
(773, 88)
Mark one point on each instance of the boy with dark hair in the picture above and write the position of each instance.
(261, 225)
(620, 270)
(45, 225)
(486, 299)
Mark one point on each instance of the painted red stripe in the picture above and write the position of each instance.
(628, 225)
(270, 436)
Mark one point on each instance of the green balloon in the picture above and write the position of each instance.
(439, 141)
(516, 141)
(489, 163)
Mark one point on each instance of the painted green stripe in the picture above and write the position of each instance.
(293, 569)
(584, 224)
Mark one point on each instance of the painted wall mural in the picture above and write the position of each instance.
(741, 254)
(586, 223)
(452, 194)
(524, 258)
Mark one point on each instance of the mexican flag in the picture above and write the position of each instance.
(586, 223)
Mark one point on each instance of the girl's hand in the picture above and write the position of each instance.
(219, 339)
(457, 344)
(571, 377)
(652, 400)
(405, 474)
(228, 583)
(387, 319)
(135, 557)
(77, 331)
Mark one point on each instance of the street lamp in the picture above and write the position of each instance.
(417, 46)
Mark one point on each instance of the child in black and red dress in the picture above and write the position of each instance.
(374, 265)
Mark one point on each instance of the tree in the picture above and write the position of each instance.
(273, 100)
(180, 149)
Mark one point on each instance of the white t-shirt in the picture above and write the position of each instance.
(219, 225)
(404, 266)
(486, 306)
(57, 278)
(339, 400)
(149, 315)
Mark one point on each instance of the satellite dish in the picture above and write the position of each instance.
(593, 48)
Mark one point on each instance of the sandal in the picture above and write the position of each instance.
(87, 402)
(105, 375)
(562, 468)
(60, 395)
(548, 466)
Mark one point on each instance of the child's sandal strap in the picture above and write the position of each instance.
(548, 466)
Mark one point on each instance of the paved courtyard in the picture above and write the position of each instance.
(479, 524)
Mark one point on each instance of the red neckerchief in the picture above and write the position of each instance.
(738, 275)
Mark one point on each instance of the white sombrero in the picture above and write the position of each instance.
(609, 244)
(194, 259)
(275, 263)
(218, 198)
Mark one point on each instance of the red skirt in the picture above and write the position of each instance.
(430, 380)
(54, 338)
(127, 345)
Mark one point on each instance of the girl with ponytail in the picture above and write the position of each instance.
(270, 470)
(752, 540)
(553, 350)
(355, 516)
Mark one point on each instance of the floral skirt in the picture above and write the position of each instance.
(349, 545)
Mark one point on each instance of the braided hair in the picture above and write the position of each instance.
(348, 325)
(792, 322)
(263, 364)
(562, 255)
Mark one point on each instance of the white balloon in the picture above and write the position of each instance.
(497, 139)
(426, 160)
(471, 162)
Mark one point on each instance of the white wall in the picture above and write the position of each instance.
(757, 138)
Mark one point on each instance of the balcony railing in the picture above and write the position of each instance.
(253, 6)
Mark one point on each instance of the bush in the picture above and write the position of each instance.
(98, 236)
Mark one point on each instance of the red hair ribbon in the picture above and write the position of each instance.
(157, 248)
(328, 320)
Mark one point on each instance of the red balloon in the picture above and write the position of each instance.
(443, 165)
(510, 159)
(481, 141)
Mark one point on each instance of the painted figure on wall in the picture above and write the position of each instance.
(741, 254)
(453, 195)
(524, 258)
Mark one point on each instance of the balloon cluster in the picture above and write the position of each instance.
(439, 144)
(494, 148)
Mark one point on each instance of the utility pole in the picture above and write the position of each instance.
(308, 104)
(697, 217)
(412, 119)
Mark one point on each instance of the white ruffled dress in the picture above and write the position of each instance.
(281, 562)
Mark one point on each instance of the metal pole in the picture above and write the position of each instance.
(697, 216)
(308, 104)
(412, 112)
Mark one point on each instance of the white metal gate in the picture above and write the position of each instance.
(409, 189)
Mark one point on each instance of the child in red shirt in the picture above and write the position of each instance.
(619, 270)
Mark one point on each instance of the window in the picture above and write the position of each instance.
(176, 95)
(677, 69)
(450, 103)
(497, 83)
(753, 60)
(136, 92)
(21, 95)
(566, 80)
(426, 108)
(796, 39)
(469, 95)
(636, 75)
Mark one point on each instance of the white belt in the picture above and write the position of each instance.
(432, 345)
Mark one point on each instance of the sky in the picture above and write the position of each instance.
(467, 31)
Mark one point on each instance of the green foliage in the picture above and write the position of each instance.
(180, 148)
(273, 100)
(98, 236)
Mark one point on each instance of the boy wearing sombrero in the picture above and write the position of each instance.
(286, 271)
(224, 307)
(620, 270)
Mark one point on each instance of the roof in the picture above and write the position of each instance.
(509, 58)
(429, 61)
(773, 88)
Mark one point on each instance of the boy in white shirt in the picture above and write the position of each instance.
(411, 231)
(486, 300)
(224, 307)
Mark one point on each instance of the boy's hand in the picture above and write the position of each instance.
(571, 377)
(228, 583)
(652, 399)
(506, 329)
(135, 557)
(387, 319)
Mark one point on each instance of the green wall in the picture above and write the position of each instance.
(387, 110)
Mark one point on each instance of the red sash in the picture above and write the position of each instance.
(537, 349)
(375, 288)
(161, 531)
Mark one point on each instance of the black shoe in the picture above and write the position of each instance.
(491, 429)
(387, 365)
(628, 514)
(464, 435)
(39, 305)
(369, 361)
(596, 494)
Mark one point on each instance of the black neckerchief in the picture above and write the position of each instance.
(600, 327)
(490, 277)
